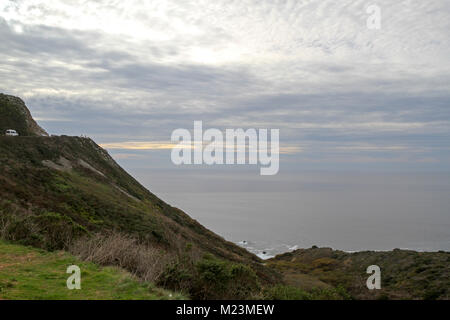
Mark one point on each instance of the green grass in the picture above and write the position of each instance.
(29, 273)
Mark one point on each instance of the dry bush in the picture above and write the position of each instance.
(4, 227)
(117, 249)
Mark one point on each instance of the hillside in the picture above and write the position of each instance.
(404, 274)
(28, 273)
(67, 193)
(77, 179)
(57, 192)
(15, 115)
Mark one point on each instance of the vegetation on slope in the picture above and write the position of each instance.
(68, 193)
(404, 274)
(30, 273)
(58, 192)
(46, 179)
(188, 270)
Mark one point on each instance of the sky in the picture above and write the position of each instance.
(343, 96)
(363, 113)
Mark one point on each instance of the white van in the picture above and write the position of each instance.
(11, 132)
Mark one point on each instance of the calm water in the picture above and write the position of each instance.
(347, 211)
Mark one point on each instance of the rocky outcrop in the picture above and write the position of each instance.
(15, 115)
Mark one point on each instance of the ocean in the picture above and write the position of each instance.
(345, 211)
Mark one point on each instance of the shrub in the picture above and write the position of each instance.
(177, 276)
(210, 278)
(48, 230)
(146, 262)
(218, 279)
(282, 292)
(333, 293)
(57, 230)
(324, 263)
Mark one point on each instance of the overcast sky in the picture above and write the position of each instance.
(343, 96)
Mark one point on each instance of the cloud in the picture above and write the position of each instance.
(167, 145)
(137, 70)
(140, 145)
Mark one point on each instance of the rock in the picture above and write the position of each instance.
(15, 115)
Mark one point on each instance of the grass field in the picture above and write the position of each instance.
(27, 273)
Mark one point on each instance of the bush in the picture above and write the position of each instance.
(210, 278)
(217, 279)
(57, 230)
(333, 293)
(282, 292)
(48, 230)
(177, 276)
(324, 263)
(183, 270)
(146, 262)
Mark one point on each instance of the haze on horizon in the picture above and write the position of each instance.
(355, 107)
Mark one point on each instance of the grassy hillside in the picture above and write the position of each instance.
(67, 193)
(404, 274)
(58, 192)
(30, 273)
(47, 180)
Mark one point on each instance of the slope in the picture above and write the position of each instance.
(15, 115)
(55, 190)
(405, 274)
(29, 273)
